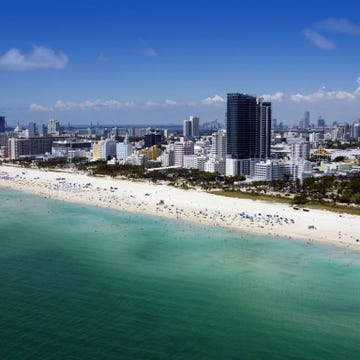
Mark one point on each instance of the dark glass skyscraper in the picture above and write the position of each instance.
(248, 127)
(153, 137)
(2, 124)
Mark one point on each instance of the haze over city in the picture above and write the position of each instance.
(159, 62)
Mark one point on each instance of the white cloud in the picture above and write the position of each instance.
(321, 96)
(152, 103)
(167, 102)
(324, 94)
(40, 58)
(343, 26)
(97, 104)
(61, 105)
(278, 96)
(318, 40)
(41, 108)
(215, 100)
(170, 102)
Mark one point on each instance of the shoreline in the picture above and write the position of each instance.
(258, 217)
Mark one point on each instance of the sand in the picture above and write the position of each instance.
(253, 216)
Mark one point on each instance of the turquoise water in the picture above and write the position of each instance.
(81, 282)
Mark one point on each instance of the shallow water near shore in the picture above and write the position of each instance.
(85, 282)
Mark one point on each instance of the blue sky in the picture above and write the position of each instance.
(157, 62)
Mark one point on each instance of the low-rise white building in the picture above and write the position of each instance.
(215, 165)
(301, 169)
(137, 159)
(190, 162)
(271, 170)
(235, 167)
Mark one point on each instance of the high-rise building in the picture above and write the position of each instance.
(31, 130)
(218, 144)
(195, 124)
(305, 121)
(321, 122)
(53, 127)
(186, 129)
(2, 124)
(42, 130)
(152, 137)
(263, 130)
(191, 127)
(248, 127)
(355, 131)
(274, 124)
(96, 150)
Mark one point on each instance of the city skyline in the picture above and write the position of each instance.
(160, 62)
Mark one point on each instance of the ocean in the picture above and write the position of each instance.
(81, 282)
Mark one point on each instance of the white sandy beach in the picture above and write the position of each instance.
(143, 197)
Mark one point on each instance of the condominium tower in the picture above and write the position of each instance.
(248, 127)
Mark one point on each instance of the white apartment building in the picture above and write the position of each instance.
(218, 144)
(137, 159)
(301, 170)
(124, 149)
(190, 162)
(271, 170)
(235, 167)
(107, 149)
(201, 160)
(300, 150)
(215, 165)
(167, 158)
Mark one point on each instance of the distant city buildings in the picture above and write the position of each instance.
(31, 130)
(304, 122)
(253, 144)
(320, 122)
(191, 127)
